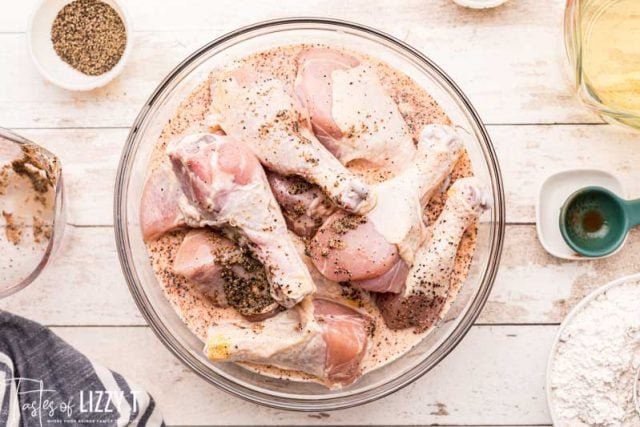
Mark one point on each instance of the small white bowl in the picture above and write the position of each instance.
(47, 61)
(553, 192)
(479, 4)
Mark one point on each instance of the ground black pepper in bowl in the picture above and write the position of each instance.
(89, 35)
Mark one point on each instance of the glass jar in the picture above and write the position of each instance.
(602, 39)
(31, 210)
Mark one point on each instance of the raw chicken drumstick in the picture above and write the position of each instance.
(427, 286)
(350, 111)
(304, 205)
(225, 273)
(226, 188)
(320, 337)
(365, 248)
(159, 208)
(197, 261)
(261, 113)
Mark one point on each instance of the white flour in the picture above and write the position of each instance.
(594, 366)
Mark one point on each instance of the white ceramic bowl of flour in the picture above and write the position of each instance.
(595, 358)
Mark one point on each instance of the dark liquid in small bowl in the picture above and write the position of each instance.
(592, 221)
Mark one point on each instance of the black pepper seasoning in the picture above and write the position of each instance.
(89, 35)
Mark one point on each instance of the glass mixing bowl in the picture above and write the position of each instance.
(147, 292)
(37, 215)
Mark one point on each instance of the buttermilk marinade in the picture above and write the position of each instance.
(418, 109)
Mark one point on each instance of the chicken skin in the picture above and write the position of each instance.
(226, 188)
(304, 205)
(197, 260)
(350, 112)
(224, 272)
(159, 208)
(427, 286)
(318, 337)
(361, 248)
(260, 112)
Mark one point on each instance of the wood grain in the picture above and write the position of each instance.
(509, 61)
(494, 377)
(85, 286)
(202, 15)
(527, 154)
(534, 287)
(518, 73)
(89, 160)
(82, 286)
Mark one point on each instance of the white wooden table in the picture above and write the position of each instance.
(510, 63)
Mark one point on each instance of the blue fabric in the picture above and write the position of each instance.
(44, 381)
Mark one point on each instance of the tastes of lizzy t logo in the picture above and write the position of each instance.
(83, 407)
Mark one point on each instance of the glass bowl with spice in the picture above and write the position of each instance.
(186, 88)
(79, 44)
(32, 215)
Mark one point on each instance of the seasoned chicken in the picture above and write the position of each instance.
(260, 112)
(348, 247)
(226, 188)
(320, 337)
(345, 333)
(159, 208)
(350, 112)
(304, 205)
(427, 286)
(362, 248)
(398, 215)
(197, 261)
(225, 273)
(301, 193)
(314, 88)
(390, 281)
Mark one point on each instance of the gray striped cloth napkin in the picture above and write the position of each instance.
(44, 381)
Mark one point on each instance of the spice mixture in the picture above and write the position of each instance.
(89, 35)
(12, 229)
(41, 174)
(28, 182)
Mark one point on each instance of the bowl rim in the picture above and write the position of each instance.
(92, 82)
(335, 402)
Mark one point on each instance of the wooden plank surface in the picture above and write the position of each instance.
(509, 61)
(85, 286)
(89, 160)
(527, 154)
(494, 377)
(507, 83)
